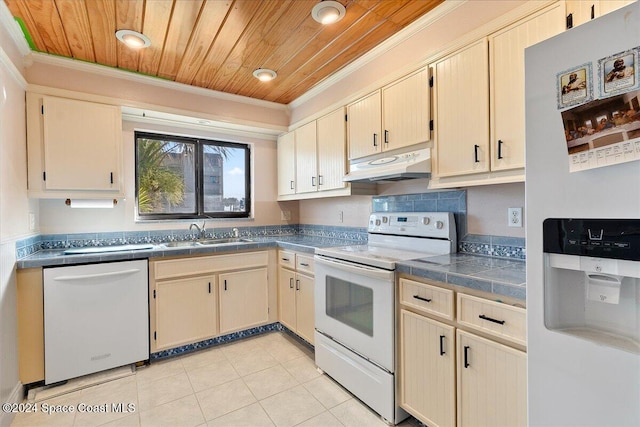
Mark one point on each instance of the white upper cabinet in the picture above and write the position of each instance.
(506, 55)
(461, 92)
(405, 111)
(306, 158)
(365, 126)
(581, 11)
(393, 117)
(74, 147)
(479, 103)
(286, 164)
(332, 151)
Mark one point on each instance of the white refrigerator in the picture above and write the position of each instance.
(583, 335)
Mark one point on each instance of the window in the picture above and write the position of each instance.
(179, 178)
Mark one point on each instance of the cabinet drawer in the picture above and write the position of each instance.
(427, 298)
(208, 264)
(304, 264)
(287, 259)
(492, 317)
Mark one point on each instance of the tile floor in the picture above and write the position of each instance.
(268, 380)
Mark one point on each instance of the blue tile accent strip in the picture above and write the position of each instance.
(224, 339)
(495, 246)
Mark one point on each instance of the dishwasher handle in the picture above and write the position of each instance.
(96, 276)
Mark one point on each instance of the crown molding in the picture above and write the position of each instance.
(13, 71)
(409, 31)
(14, 30)
(102, 70)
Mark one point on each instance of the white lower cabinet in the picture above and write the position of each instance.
(197, 298)
(450, 376)
(295, 293)
(244, 299)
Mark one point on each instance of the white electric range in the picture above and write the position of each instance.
(355, 302)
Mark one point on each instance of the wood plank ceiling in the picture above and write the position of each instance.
(217, 44)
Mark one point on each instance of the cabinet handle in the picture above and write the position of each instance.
(483, 317)
(111, 179)
(225, 285)
(320, 180)
(466, 356)
(375, 139)
(297, 285)
(442, 345)
(569, 21)
(386, 136)
(421, 298)
(291, 186)
(209, 287)
(475, 153)
(290, 282)
(285, 259)
(304, 264)
(313, 181)
(593, 11)
(499, 149)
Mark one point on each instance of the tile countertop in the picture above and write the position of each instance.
(494, 275)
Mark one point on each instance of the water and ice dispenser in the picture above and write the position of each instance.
(592, 280)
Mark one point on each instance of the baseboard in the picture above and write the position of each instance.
(15, 397)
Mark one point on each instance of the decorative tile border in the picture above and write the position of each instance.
(224, 339)
(346, 233)
(494, 246)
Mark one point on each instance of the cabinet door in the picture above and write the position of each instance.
(607, 6)
(82, 143)
(506, 52)
(244, 299)
(185, 311)
(365, 126)
(306, 159)
(492, 383)
(305, 323)
(286, 164)
(461, 90)
(405, 111)
(582, 11)
(287, 297)
(427, 369)
(332, 151)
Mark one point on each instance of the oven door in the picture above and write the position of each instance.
(354, 307)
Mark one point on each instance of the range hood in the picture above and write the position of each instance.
(391, 167)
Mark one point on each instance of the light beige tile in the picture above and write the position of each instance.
(202, 358)
(99, 402)
(409, 422)
(303, 369)
(214, 374)
(270, 381)
(249, 416)
(240, 348)
(325, 419)
(163, 390)
(225, 398)
(354, 413)
(40, 418)
(327, 391)
(132, 420)
(291, 407)
(255, 360)
(182, 412)
(160, 369)
(284, 348)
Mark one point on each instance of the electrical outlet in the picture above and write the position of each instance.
(515, 217)
(285, 215)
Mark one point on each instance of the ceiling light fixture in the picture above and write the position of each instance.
(133, 39)
(264, 74)
(328, 12)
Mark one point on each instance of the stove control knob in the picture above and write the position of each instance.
(439, 225)
(385, 219)
(426, 220)
(377, 222)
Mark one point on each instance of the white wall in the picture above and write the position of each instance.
(14, 209)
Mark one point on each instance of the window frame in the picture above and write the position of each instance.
(199, 177)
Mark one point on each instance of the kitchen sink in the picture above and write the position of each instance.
(206, 242)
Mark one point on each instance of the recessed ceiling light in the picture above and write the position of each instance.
(264, 74)
(133, 39)
(328, 12)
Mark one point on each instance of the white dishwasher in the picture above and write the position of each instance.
(96, 317)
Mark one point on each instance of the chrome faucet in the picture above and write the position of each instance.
(201, 230)
(236, 232)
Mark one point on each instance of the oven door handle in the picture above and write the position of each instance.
(373, 272)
